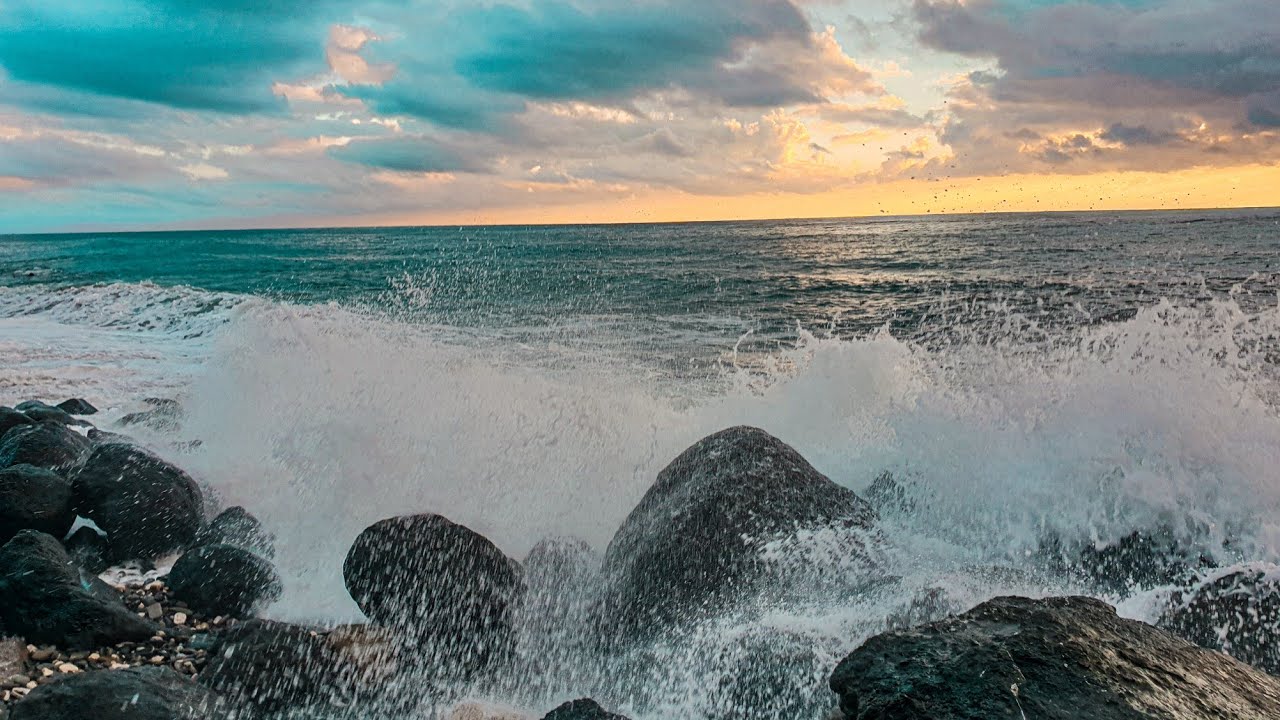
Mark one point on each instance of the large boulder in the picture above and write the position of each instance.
(89, 549)
(140, 693)
(147, 507)
(48, 600)
(48, 445)
(1052, 659)
(583, 709)
(272, 666)
(10, 419)
(224, 580)
(236, 526)
(724, 522)
(1236, 611)
(444, 586)
(33, 498)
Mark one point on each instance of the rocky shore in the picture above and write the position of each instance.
(120, 598)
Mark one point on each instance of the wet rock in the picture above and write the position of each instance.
(735, 516)
(102, 437)
(1052, 659)
(162, 414)
(13, 658)
(445, 587)
(1236, 611)
(1140, 561)
(562, 575)
(140, 693)
(272, 666)
(51, 414)
(10, 419)
(77, 406)
(33, 498)
(89, 549)
(584, 709)
(235, 526)
(49, 600)
(224, 580)
(889, 496)
(147, 506)
(48, 445)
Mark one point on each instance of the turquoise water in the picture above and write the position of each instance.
(708, 282)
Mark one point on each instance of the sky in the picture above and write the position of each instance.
(150, 114)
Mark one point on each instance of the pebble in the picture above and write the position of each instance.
(180, 618)
(154, 611)
(69, 669)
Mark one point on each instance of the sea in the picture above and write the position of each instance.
(1075, 376)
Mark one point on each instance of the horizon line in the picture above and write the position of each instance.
(629, 223)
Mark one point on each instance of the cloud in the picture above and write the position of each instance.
(1150, 84)
(409, 155)
(487, 63)
(220, 56)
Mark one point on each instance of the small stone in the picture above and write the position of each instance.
(94, 657)
(118, 666)
(219, 620)
(42, 654)
(46, 672)
(17, 680)
(68, 669)
(156, 660)
(180, 618)
(154, 586)
(154, 611)
(22, 692)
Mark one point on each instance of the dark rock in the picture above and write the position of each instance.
(33, 498)
(89, 549)
(235, 526)
(10, 419)
(140, 693)
(442, 585)
(584, 709)
(1236, 611)
(767, 673)
(164, 415)
(53, 415)
(224, 580)
(77, 406)
(1140, 561)
(721, 525)
(48, 445)
(926, 606)
(273, 666)
(30, 405)
(147, 506)
(889, 496)
(49, 600)
(562, 576)
(1052, 659)
(102, 437)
